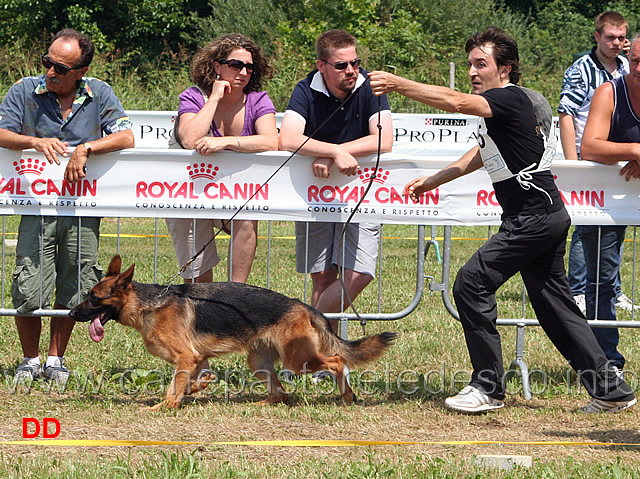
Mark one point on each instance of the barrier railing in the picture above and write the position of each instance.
(9, 235)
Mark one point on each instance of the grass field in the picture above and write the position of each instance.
(401, 395)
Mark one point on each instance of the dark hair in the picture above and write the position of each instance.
(86, 45)
(333, 39)
(505, 49)
(204, 74)
(610, 18)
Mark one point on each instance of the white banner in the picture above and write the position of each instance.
(416, 134)
(181, 183)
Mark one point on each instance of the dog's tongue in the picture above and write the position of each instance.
(96, 330)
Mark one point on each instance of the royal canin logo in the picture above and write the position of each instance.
(17, 186)
(202, 170)
(209, 188)
(382, 194)
(29, 165)
(379, 175)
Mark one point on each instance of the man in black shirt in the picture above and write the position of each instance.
(516, 145)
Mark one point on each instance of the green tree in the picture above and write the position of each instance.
(140, 29)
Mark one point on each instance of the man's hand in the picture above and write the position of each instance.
(417, 187)
(382, 82)
(51, 147)
(321, 167)
(75, 170)
(631, 170)
(346, 162)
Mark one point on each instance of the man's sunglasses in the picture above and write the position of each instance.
(237, 65)
(59, 68)
(343, 65)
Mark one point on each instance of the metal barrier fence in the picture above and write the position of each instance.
(10, 240)
(424, 242)
(518, 363)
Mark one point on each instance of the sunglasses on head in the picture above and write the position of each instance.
(343, 65)
(237, 65)
(59, 68)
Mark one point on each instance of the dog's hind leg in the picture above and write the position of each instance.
(199, 380)
(261, 359)
(335, 365)
(302, 358)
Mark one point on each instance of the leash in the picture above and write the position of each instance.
(226, 223)
(374, 175)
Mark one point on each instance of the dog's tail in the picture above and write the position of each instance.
(353, 353)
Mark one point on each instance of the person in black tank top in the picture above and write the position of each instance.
(612, 134)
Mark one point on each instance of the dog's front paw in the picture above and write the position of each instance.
(172, 403)
(350, 398)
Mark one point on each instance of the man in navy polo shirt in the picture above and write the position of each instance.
(351, 133)
(51, 113)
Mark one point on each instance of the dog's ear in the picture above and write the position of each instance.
(114, 266)
(125, 278)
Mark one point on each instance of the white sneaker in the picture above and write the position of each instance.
(623, 302)
(57, 372)
(598, 405)
(28, 371)
(581, 302)
(472, 400)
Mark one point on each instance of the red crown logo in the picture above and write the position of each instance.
(173, 118)
(379, 175)
(202, 170)
(29, 165)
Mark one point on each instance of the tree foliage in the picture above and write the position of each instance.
(147, 45)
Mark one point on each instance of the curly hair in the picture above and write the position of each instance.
(203, 73)
(505, 49)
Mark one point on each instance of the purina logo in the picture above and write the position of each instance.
(445, 122)
(202, 170)
(379, 175)
(29, 165)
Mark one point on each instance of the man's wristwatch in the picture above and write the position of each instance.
(88, 147)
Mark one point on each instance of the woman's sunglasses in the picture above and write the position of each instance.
(343, 65)
(59, 68)
(237, 65)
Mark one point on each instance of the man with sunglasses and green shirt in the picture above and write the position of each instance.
(351, 133)
(53, 113)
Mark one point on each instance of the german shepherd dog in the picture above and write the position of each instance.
(189, 323)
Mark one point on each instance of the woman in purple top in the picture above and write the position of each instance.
(225, 111)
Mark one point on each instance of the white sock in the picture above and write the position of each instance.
(54, 361)
(33, 361)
